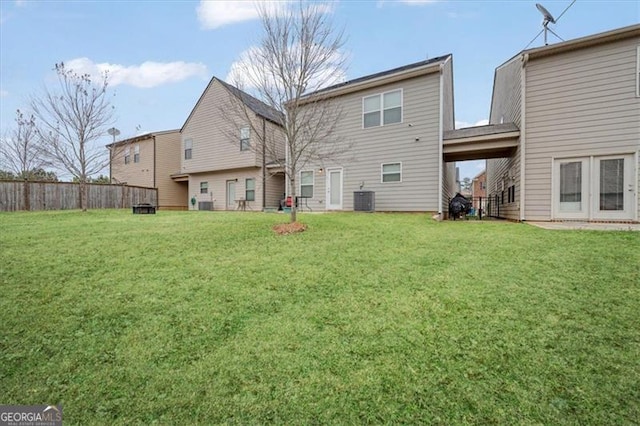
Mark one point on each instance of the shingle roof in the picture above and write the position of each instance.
(381, 74)
(255, 105)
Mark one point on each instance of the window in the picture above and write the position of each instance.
(204, 187)
(250, 189)
(188, 145)
(306, 184)
(127, 156)
(245, 143)
(392, 172)
(136, 153)
(511, 194)
(382, 109)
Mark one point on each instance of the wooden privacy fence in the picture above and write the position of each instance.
(22, 195)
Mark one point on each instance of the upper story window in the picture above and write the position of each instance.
(245, 142)
(250, 189)
(204, 187)
(306, 184)
(136, 153)
(188, 146)
(392, 172)
(382, 109)
(127, 155)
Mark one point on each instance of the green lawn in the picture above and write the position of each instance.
(200, 317)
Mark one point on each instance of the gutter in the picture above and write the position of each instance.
(440, 143)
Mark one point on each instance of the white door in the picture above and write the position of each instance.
(614, 187)
(231, 194)
(571, 188)
(334, 189)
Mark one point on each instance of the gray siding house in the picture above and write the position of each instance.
(394, 123)
(221, 156)
(576, 105)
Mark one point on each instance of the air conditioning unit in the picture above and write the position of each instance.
(364, 201)
(205, 205)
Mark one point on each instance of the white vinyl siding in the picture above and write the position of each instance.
(382, 109)
(391, 172)
(306, 184)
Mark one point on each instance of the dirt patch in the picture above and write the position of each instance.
(289, 228)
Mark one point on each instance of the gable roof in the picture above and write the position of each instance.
(258, 107)
(141, 137)
(380, 78)
(578, 43)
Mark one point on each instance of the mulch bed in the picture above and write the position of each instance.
(289, 228)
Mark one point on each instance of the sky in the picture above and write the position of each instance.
(162, 54)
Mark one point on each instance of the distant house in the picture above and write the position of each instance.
(394, 122)
(148, 160)
(479, 189)
(574, 111)
(221, 157)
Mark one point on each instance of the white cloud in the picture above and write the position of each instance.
(146, 75)
(216, 14)
(417, 2)
(247, 70)
(464, 124)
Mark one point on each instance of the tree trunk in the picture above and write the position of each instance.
(83, 195)
(292, 194)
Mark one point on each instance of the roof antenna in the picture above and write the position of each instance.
(548, 17)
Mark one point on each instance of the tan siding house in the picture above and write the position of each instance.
(221, 155)
(578, 109)
(148, 160)
(399, 156)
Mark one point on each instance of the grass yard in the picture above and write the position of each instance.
(201, 318)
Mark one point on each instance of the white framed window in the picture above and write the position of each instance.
(136, 153)
(638, 72)
(127, 155)
(250, 189)
(391, 172)
(306, 183)
(188, 146)
(382, 109)
(245, 141)
(204, 187)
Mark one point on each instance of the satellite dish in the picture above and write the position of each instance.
(548, 17)
(113, 132)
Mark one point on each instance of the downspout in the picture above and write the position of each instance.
(154, 161)
(440, 142)
(523, 132)
(110, 164)
(264, 164)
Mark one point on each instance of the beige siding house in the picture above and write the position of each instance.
(393, 122)
(221, 155)
(148, 160)
(577, 107)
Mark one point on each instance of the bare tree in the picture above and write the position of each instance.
(299, 54)
(71, 122)
(20, 152)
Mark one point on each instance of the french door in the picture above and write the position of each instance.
(596, 188)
